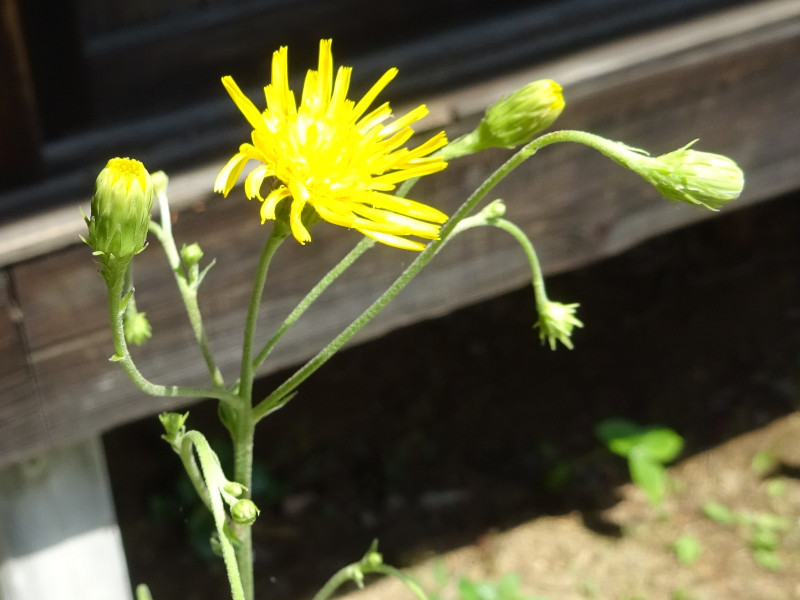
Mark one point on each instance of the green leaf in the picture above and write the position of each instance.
(662, 444)
(763, 463)
(687, 549)
(619, 435)
(767, 559)
(764, 539)
(775, 488)
(441, 574)
(648, 475)
(719, 513)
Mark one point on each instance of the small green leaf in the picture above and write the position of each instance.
(687, 549)
(719, 513)
(764, 539)
(763, 463)
(662, 444)
(441, 574)
(775, 488)
(767, 559)
(619, 435)
(648, 475)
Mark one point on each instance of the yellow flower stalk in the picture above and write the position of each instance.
(334, 155)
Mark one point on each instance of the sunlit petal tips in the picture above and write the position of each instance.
(335, 155)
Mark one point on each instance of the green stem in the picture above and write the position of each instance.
(188, 292)
(243, 423)
(243, 473)
(356, 571)
(537, 277)
(279, 232)
(186, 452)
(288, 386)
(122, 355)
(364, 245)
(214, 480)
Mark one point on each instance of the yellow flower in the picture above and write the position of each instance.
(331, 154)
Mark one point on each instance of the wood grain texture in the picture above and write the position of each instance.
(738, 93)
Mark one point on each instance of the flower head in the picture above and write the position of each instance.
(556, 322)
(685, 175)
(120, 215)
(513, 120)
(702, 178)
(334, 155)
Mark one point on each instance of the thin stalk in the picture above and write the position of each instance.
(243, 473)
(279, 233)
(122, 355)
(364, 245)
(188, 292)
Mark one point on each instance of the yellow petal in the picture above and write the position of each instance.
(250, 112)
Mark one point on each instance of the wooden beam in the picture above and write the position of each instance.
(736, 91)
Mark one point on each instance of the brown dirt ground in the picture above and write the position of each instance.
(441, 439)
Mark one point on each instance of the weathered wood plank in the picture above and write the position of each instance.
(20, 411)
(738, 94)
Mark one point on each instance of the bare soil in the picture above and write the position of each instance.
(463, 440)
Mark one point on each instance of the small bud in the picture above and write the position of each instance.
(496, 209)
(244, 512)
(160, 181)
(120, 214)
(136, 327)
(512, 121)
(556, 322)
(235, 489)
(191, 254)
(700, 178)
(174, 425)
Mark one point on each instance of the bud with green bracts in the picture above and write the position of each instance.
(120, 216)
(514, 120)
(685, 175)
(700, 178)
(244, 512)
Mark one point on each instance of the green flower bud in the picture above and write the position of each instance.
(191, 254)
(700, 178)
(234, 488)
(136, 327)
(244, 512)
(174, 425)
(512, 121)
(160, 181)
(120, 214)
(556, 322)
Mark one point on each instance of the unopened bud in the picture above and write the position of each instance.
(136, 327)
(120, 216)
(515, 119)
(191, 254)
(174, 424)
(701, 178)
(244, 512)
(512, 121)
